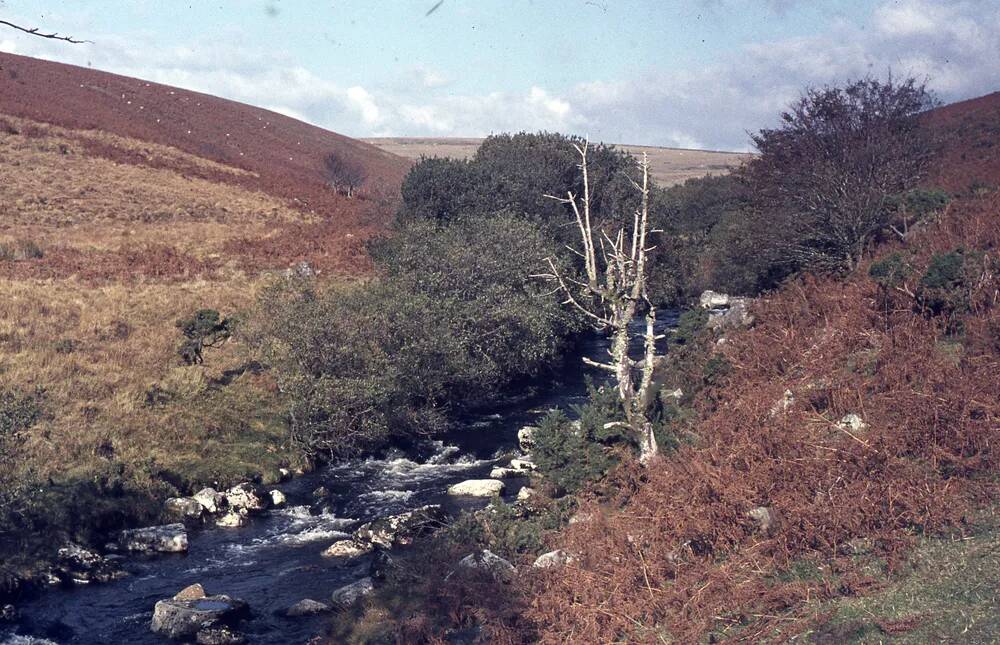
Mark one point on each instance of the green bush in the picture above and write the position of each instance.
(507, 530)
(891, 271)
(943, 290)
(204, 328)
(571, 454)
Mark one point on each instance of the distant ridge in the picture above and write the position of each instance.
(284, 155)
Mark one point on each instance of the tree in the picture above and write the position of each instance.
(610, 295)
(344, 175)
(824, 181)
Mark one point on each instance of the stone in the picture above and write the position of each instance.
(168, 538)
(219, 636)
(525, 494)
(766, 518)
(401, 529)
(523, 464)
(191, 592)
(526, 437)
(321, 492)
(284, 474)
(307, 607)
(247, 497)
(211, 500)
(505, 473)
(347, 549)
(857, 546)
(490, 562)
(713, 300)
(477, 488)
(8, 614)
(232, 519)
(853, 423)
(349, 594)
(278, 498)
(581, 517)
(183, 619)
(552, 560)
(183, 509)
(381, 565)
(674, 394)
(82, 566)
(737, 314)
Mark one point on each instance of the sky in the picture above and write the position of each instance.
(694, 73)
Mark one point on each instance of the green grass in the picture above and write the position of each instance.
(951, 594)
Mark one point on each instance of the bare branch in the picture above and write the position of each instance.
(34, 31)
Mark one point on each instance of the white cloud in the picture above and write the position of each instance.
(955, 44)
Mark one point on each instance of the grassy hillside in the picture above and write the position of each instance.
(125, 206)
(668, 166)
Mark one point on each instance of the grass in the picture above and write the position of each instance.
(949, 593)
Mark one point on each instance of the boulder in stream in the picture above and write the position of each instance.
(248, 497)
(168, 538)
(401, 529)
(526, 437)
(219, 636)
(184, 619)
(211, 500)
(82, 566)
(505, 473)
(347, 549)
(307, 607)
(477, 488)
(232, 519)
(349, 594)
(183, 509)
(278, 498)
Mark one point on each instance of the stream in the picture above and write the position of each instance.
(275, 561)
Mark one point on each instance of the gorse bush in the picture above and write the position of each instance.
(944, 287)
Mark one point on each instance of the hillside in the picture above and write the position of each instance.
(668, 166)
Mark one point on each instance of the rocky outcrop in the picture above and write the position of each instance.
(349, 594)
(477, 488)
(186, 619)
(169, 538)
(401, 529)
(307, 607)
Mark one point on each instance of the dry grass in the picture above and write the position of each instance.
(668, 166)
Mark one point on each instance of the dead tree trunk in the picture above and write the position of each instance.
(610, 296)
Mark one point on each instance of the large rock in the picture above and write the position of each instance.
(505, 473)
(853, 423)
(552, 560)
(307, 607)
(713, 300)
(525, 494)
(349, 594)
(523, 465)
(183, 619)
(489, 562)
(248, 497)
(278, 499)
(400, 529)
(526, 437)
(219, 636)
(347, 549)
(191, 592)
(211, 500)
(169, 538)
(232, 519)
(183, 509)
(477, 488)
(82, 566)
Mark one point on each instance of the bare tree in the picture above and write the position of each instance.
(611, 294)
(344, 175)
(36, 31)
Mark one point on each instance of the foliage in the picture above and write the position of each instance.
(823, 184)
(943, 289)
(513, 173)
(890, 271)
(345, 175)
(204, 328)
(508, 530)
(569, 454)
(20, 250)
(19, 411)
(452, 319)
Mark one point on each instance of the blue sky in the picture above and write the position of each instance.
(696, 73)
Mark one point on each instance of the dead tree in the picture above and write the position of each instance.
(610, 295)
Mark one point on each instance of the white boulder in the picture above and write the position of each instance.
(477, 488)
(526, 437)
(347, 549)
(247, 497)
(307, 607)
(211, 500)
(349, 594)
(552, 559)
(278, 498)
(169, 538)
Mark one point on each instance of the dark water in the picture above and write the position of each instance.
(275, 561)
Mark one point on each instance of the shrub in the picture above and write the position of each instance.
(570, 454)
(19, 411)
(943, 288)
(204, 328)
